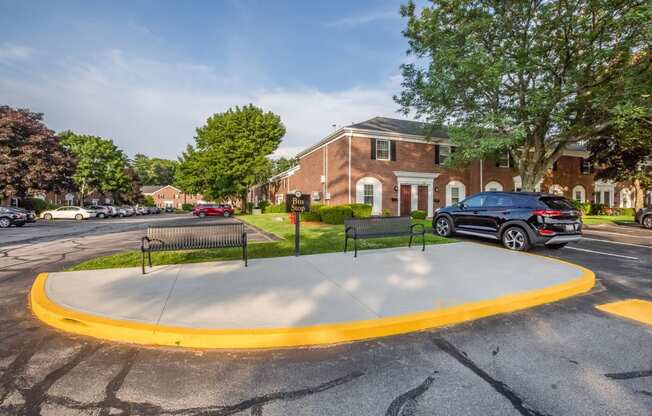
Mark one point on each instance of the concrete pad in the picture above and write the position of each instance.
(114, 293)
(308, 300)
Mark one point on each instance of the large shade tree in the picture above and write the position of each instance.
(231, 153)
(31, 156)
(520, 77)
(101, 165)
(154, 170)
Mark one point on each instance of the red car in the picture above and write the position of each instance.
(207, 210)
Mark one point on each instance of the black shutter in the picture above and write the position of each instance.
(373, 149)
(436, 154)
(554, 166)
(392, 150)
(581, 165)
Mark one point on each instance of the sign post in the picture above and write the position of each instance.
(297, 204)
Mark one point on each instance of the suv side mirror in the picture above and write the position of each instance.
(461, 205)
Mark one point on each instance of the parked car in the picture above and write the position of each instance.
(153, 210)
(30, 215)
(142, 211)
(67, 213)
(128, 211)
(9, 217)
(168, 209)
(206, 210)
(518, 219)
(112, 211)
(644, 217)
(99, 211)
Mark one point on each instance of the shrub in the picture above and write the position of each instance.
(360, 210)
(35, 204)
(310, 216)
(583, 207)
(387, 213)
(597, 209)
(275, 208)
(187, 207)
(263, 206)
(316, 208)
(628, 211)
(335, 214)
(418, 215)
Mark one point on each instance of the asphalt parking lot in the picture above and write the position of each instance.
(565, 358)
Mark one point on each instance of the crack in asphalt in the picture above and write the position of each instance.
(630, 374)
(405, 404)
(503, 389)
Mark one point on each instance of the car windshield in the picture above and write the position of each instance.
(557, 202)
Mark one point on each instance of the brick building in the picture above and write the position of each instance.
(389, 164)
(170, 196)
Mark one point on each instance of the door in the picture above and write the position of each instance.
(497, 209)
(422, 198)
(406, 200)
(470, 212)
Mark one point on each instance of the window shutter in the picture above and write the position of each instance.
(436, 154)
(554, 166)
(498, 162)
(581, 166)
(373, 149)
(392, 150)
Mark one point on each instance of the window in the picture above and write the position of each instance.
(625, 198)
(501, 201)
(503, 162)
(444, 154)
(493, 186)
(586, 167)
(579, 193)
(382, 149)
(455, 195)
(475, 201)
(368, 195)
(555, 202)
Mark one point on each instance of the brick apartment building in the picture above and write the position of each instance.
(389, 164)
(170, 196)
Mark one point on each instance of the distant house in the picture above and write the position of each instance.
(169, 196)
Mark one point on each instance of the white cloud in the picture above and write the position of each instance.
(9, 52)
(153, 107)
(363, 19)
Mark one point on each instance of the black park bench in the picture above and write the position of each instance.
(376, 227)
(171, 238)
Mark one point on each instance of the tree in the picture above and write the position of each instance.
(131, 194)
(31, 156)
(282, 164)
(519, 77)
(232, 151)
(154, 171)
(101, 165)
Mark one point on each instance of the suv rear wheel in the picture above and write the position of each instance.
(443, 227)
(647, 221)
(4, 222)
(515, 238)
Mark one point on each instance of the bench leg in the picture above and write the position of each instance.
(149, 257)
(346, 242)
(355, 246)
(423, 241)
(410, 243)
(244, 254)
(142, 260)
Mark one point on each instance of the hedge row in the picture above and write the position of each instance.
(587, 208)
(336, 214)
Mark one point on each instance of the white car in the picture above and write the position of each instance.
(67, 213)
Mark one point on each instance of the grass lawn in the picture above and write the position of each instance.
(315, 238)
(606, 219)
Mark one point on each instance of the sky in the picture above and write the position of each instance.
(147, 73)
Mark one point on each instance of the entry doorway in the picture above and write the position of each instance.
(422, 198)
(406, 200)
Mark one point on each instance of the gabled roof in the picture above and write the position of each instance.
(151, 189)
(400, 126)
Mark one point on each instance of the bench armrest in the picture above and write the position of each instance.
(351, 228)
(144, 243)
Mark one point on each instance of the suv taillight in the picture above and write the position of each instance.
(546, 212)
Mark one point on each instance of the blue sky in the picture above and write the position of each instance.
(147, 73)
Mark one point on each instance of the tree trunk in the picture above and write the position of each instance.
(244, 203)
(639, 195)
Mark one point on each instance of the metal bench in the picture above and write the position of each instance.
(170, 238)
(375, 227)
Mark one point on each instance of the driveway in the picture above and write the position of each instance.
(565, 358)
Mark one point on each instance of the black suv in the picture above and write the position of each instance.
(644, 217)
(10, 216)
(518, 219)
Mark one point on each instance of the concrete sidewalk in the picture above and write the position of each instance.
(326, 289)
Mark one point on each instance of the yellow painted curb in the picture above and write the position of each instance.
(147, 334)
(635, 309)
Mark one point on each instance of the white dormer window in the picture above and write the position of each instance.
(444, 154)
(504, 160)
(382, 149)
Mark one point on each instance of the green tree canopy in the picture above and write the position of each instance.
(31, 156)
(282, 164)
(154, 171)
(231, 153)
(101, 165)
(521, 77)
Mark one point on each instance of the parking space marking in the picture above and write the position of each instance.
(616, 242)
(636, 309)
(603, 253)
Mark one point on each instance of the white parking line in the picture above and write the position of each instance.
(616, 242)
(602, 253)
